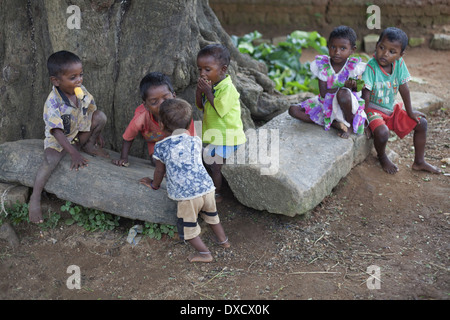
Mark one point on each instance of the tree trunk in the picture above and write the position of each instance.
(119, 42)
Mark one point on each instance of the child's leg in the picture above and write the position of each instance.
(380, 139)
(344, 98)
(216, 175)
(342, 129)
(202, 254)
(297, 112)
(88, 140)
(221, 237)
(51, 160)
(420, 139)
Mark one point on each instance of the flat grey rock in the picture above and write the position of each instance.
(101, 185)
(296, 168)
(307, 162)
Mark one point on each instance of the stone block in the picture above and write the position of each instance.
(10, 194)
(295, 168)
(440, 42)
(370, 42)
(101, 185)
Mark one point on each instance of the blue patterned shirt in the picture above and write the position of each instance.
(186, 176)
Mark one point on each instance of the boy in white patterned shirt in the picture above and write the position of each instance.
(179, 157)
(72, 124)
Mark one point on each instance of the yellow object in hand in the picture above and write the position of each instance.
(79, 93)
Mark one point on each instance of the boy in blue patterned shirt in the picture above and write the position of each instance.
(179, 157)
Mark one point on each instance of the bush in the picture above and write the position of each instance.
(90, 219)
(283, 60)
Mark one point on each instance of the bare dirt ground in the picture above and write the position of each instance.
(399, 223)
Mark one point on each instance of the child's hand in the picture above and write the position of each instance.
(350, 83)
(416, 115)
(78, 161)
(146, 182)
(120, 162)
(204, 86)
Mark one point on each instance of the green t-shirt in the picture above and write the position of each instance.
(383, 87)
(223, 125)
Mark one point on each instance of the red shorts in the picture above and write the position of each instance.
(398, 121)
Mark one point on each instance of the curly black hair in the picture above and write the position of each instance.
(218, 51)
(395, 34)
(154, 79)
(343, 32)
(59, 61)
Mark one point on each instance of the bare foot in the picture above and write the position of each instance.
(34, 211)
(340, 126)
(95, 150)
(425, 167)
(368, 133)
(224, 244)
(200, 257)
(343, 134)
(387, 164)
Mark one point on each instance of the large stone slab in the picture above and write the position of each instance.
(101, 185)
(304, 164)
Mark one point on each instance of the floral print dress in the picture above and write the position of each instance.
(323, 111)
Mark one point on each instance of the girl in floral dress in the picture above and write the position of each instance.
(338, 105)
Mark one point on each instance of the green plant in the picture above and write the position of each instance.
(90, 219)
(283, 60)
(155, 230)
(18, 213)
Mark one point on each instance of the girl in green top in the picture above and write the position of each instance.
(217, 97)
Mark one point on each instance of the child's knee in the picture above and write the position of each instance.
(293, 110)
(381, 133)
(99, 118)
(344, 97)
(52, 159)
(422, 125)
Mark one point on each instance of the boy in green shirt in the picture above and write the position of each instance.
(385, 75)
(218, 98)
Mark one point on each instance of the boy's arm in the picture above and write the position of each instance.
(365, 95)
(406, 97)
(204, 87)
(198, 99)
(158, 176)
(77, 158)
(123, 161)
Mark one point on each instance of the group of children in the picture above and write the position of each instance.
(341, 106)
(74, 124)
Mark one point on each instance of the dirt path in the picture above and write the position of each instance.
(397, 224)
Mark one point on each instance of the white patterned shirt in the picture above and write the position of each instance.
(186, 176)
